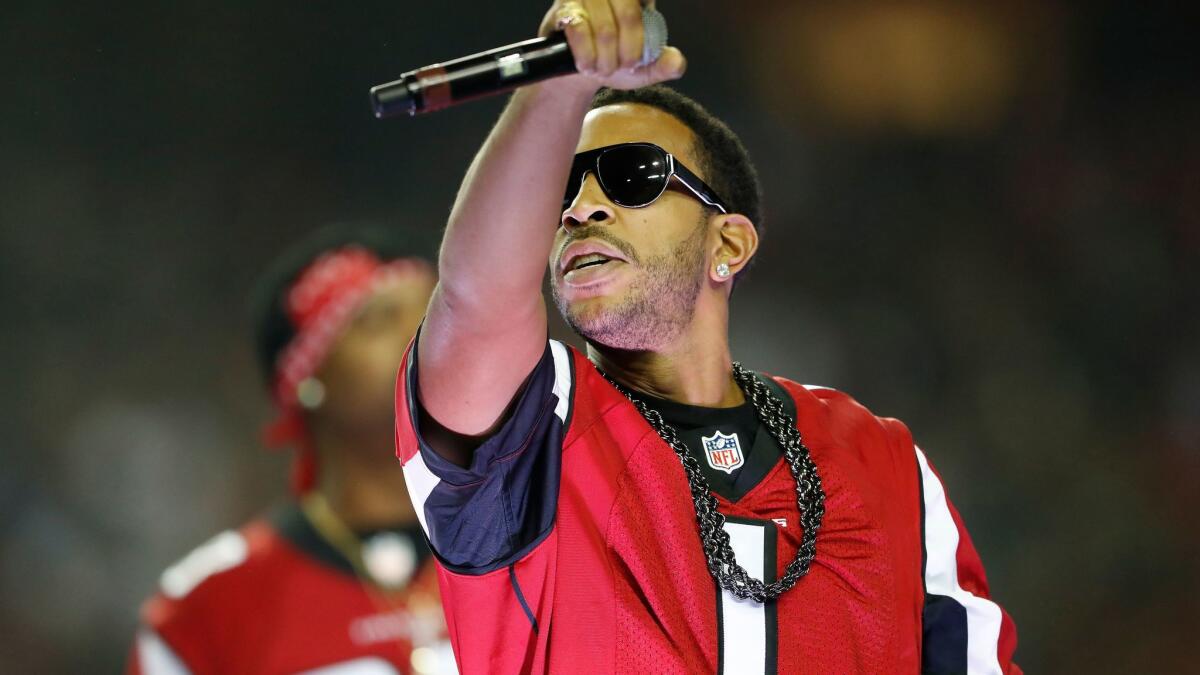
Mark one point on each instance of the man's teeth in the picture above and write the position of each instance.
(587, 260)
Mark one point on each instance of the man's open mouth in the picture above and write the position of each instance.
(589, 260)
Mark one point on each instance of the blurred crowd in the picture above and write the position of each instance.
(982, 218)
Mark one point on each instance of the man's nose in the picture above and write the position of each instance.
(590, 205)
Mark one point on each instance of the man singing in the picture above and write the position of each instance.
(652, 506)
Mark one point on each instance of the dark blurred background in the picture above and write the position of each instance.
(982, 218)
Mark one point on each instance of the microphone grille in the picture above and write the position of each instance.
(654, 27)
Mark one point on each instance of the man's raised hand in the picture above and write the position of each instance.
(606, 37)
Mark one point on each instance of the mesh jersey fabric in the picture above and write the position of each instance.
(570, 543)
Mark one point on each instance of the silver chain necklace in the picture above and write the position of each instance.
(810, 497)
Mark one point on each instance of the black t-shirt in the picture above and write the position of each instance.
(734, 450)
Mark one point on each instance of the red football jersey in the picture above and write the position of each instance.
(273, 597)
(571, 545)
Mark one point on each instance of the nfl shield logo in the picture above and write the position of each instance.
(723, 451)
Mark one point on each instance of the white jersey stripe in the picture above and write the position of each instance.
(366, 665)
(562, 378)
(744, 622)
(941, 576)
(155, 657)
(421, 482)
(223, 552)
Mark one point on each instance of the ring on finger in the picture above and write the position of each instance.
(570, 14)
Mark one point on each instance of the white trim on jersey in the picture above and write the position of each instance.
(421, 482)
(223, 552)
(155, 657)
(744, 622)
(562, 378)
(941, 576)
(367, 665)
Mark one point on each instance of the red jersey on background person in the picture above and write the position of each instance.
(340, 580)
(652, 506)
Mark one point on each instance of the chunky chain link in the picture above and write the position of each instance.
(810, 497)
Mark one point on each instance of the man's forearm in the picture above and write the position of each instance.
(485, 329)
(486, 323)
(502, 225)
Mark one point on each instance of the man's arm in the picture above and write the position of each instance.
(485, 329)
(486, 324)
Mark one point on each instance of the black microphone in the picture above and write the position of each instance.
(495, 71)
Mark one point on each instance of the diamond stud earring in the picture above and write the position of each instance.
(722, 270)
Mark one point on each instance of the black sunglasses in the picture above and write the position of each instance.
(634, 175)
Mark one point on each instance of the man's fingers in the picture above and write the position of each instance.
(671, 65)
(572, 19)
(628, 15)
(605, 35)
(606, 39)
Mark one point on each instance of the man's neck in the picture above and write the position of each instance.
(364, 486)
(696, 368)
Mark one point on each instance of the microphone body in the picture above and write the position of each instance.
(494, 71)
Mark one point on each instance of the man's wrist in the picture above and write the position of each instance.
(567, 90)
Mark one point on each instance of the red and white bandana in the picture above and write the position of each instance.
(320, 304)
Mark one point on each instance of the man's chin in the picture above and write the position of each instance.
(586, 314)
(609, 329)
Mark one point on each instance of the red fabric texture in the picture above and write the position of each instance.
(489, 603)
(621, 584)
(279, 611)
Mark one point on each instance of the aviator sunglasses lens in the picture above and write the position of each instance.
(633, 175)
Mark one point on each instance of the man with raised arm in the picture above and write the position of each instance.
(651, 506)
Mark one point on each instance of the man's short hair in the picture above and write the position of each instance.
(724, 161)
(273, 329)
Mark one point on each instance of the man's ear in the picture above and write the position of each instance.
(734, 243)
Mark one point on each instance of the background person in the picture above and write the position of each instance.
(341, 576)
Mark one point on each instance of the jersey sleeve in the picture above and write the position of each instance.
(964, 630)
(492, 513)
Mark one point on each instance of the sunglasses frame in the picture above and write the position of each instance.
(675, 169)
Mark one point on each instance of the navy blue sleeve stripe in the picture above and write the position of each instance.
(943, 621)
(944, 633)
(485, 516)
